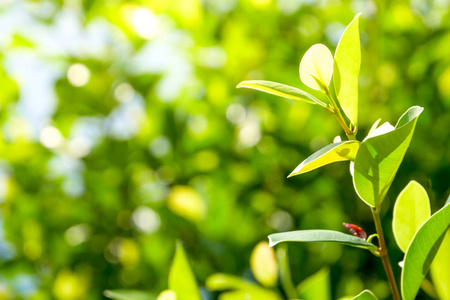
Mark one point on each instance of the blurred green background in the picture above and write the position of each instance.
(122, 131)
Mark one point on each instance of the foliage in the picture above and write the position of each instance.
(122, 132)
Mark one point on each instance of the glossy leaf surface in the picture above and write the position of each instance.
(281, 90)
(411, 210)
(347, 62)
(128, 295)
(317, 62)
(329, 154)
(379, 158)
(316, 287)
(422, 251)
(181, 278)
(319, 236)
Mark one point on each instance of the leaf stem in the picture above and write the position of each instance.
(384, 254)
(285, 272)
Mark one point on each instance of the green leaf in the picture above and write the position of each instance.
(281, 90)
(317, 62)
(316, 287)
(329, 154)
(181, 278)
(253, 294)
(440, 269)
(411, 210)
(422, 251)
(347, 62)
(365, 295)
(379, 158)
(320, 236)
(220, 282)
(128, 295)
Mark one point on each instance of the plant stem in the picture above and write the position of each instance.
(337, 113)
(384, 254)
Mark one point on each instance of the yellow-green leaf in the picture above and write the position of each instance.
(317, 62)
(264, 264)
(181, 278)
(411, 210)
(365, 295)
(379, 158)
(440, 269)
(329, 154)
(281, 90)
(347, 62)
(316, 287)
(422, 250)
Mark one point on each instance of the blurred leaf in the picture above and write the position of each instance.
(187, 203)
(379, 158)
(317, 62)
(411, 210)
(316, 287)
(167, 295)
(285, 271)
(365, 295)
(220, 282)
(128, 295)
(440, 269)
(329, 154)
(422, 251)
(281, 90)
(347, 62)
(320, 236)
(181, 278)
(264, 264)
(250, 295)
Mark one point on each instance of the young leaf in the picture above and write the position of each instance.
(320, 236)
(379, 158)
(347, 62)
(365, 295)
(128, 295)
(181, 278)
(281, 90)
(329, 154)
(411, 210)
(422, 251)
(317, 62)
(316, 287)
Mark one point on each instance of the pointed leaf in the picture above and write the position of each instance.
(422, 251)
(317, 62)
(128, 295)
(181, 278)
(365, 295)
(379, 158)
(320, 236)
(347, 62)
(329, 154)
(411, 210)
(316, 287)
(281, 90)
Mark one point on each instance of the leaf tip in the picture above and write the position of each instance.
(271, 242)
